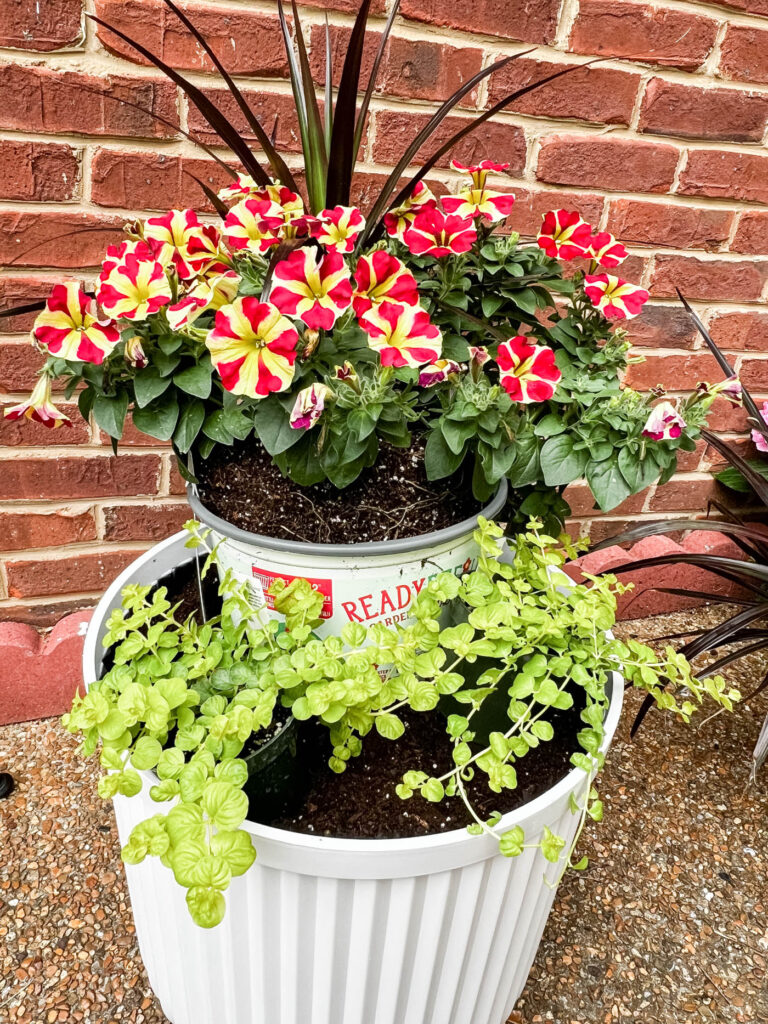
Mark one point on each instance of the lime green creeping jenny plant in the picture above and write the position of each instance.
(184, 700)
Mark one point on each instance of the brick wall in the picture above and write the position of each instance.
(663, 144)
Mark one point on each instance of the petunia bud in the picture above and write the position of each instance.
(438, 372)
(309, 406)
(347, 374)
(478, 357)
(134, 353)
(312, 340)
(730, 389)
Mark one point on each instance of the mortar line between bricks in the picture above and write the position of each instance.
(712, 63)
(313, 14)
(67, 551)
(90, 62)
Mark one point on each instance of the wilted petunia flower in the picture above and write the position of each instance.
(438, 372)
(381, 276)
(730, 389)
(316, 289)
(528, 372)
(253, 347)
(399, 219)
(402, 335)
(69, 328)
(604, 248)
(309, 406)
(477, 200)
(435, 234)
(134, 288)
(616, 299)
(39, 407)
(337, 229)
(564, 235)
(134, 353)
(180, 239)
(664, 423)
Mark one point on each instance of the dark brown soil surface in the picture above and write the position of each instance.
(393, 499)
(361, 803)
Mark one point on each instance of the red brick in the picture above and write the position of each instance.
(26, 530)
(247, 42)
(683, 495)
(725, 174)
(531, 206)
(673, 108)
(269, 107)
(77, 574)
(739, 281)
(144, 522)
(748, 6)
(38, 171)
(20, 291)
(412, 68)
(177, 484)
(673, 371)
(32, 25)
(27, 432)
(752, 233)
(19, 364)
(744, 53)
(65, 240)
(689, 462)
(740, 332)
(753, 374)
(658, 35)
(87, 476)
(511, 19)
(43, 100)
(597, 162)
(724, 416)
(662, 327)
(132, 437)
(600, 95)
(495, 140)
(152, 181)
(681, 227)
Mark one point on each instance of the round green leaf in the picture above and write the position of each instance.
(206, 906)
(146, 753)
(225, 805)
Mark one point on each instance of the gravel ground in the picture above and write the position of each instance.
(668, 925)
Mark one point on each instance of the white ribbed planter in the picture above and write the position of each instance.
(433, 930)
(372, 582)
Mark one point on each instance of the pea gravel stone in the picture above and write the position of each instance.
(669, 925)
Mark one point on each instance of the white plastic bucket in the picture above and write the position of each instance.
(438, 929)
(368, 583)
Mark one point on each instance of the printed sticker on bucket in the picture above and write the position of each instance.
(266, 577)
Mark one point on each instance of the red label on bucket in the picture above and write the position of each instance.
(266, 578)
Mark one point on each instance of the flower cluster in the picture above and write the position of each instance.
(282, 319)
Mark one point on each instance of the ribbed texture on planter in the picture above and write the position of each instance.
(449, 947)
(432, 930)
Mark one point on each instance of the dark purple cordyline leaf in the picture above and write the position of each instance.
(342, 153)
(226, 131)
(366, 101)
(653, 529)
(756, 482)
(729, 568)
(724, 632)
(760, 752)
(725, 366)
(221, 208)
(472, 126)
(729, 659)
(163, 120)
(64, 234)
(30, 307)
(276, 161)
(383, 201)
